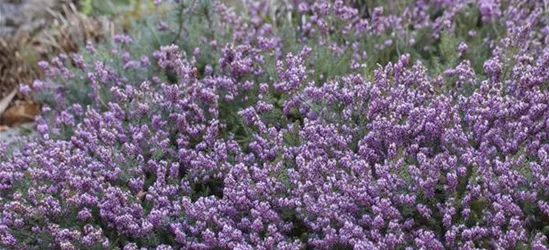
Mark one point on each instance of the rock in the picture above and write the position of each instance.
(19, 114)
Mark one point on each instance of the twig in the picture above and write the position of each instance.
(5, 102)
(182, 11)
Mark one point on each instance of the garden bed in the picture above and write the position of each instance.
(291, 125)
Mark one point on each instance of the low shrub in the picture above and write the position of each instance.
(307, 124)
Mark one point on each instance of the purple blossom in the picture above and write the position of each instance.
(250, 140)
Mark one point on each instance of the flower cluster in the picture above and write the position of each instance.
(263, 130)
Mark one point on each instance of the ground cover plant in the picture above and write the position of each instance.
(292, 125)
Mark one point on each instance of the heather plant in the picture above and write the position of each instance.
(292, 125)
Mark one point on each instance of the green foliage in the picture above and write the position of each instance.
(86, 6)
(106, 7)
(193, 24)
